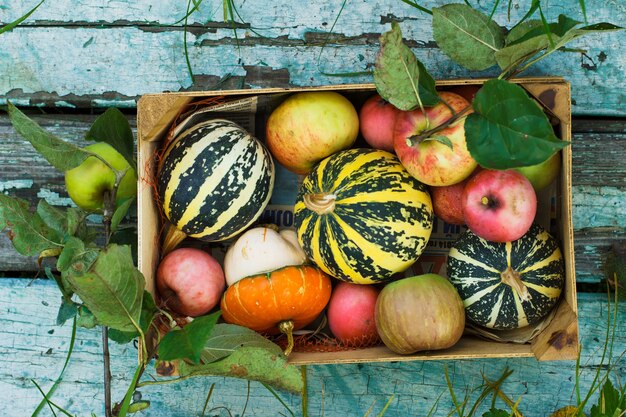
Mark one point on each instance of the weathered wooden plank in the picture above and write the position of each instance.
(114, 53)
(34, 347)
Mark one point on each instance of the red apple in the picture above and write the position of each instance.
(377, 118)
(190, 281)
(499, 206)
(351, 313)
(309, 126)
(467, 91)
(447, 202)
(430, 161)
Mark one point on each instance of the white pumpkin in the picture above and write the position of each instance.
(261, 250)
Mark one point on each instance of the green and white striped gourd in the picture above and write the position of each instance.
(214, 180)
(507, 285)
(361, 217)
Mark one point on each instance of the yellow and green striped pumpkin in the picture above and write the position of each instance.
(361, 217)
(507, 285)
(214, 180)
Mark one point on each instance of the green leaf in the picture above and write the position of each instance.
(467, 36)
(508, 129)
(251, 363)
(60, 154)
(496, 412)
(120, 212)
(188, 342)
(76, 258)
(67, 310)
(113, 128)
(112, 289)
(86, 319)
(517, 52)
(28, 232)
(441, 139)
(148, 311)
(15, 23)
(400, 77)
(53, 217)
(77, 225)
(226, 338)
(610, 402)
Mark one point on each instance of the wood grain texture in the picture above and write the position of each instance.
(34, 347)
(114, 53)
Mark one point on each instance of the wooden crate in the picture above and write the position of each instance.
(557, 340)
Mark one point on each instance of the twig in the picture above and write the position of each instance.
(109, 208)
(430, 132)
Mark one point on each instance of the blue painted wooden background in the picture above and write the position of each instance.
(72, 58)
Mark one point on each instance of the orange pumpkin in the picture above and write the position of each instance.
(284, 300)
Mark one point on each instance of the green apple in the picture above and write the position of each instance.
(542, 174)
(87, 182)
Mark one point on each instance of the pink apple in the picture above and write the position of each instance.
(430, 161)
(190, 281)
(351, 313)
(377, 118)
(499, 206)
(309, 126)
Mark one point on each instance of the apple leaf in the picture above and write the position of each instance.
(120, 212)
(508, 129)
(441, 139)
(400, 77)
(188, 342)
(76, 258)
(67, 310)
(226, 338)
(60, 154)
(496, 412)
(467, 36)
(251, 363)
(112, 289)
(29, 234)
(113, 128)
(86, 319)
(148, 311)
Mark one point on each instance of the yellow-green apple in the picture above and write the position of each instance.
(542, 174)
(499, 206)
(309, 126)
(351, 313)
(87, 183)
(377, 118)
(430, 160)
(190, 281)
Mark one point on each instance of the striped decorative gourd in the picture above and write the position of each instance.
(214, 180)
(361, 217)
(507, 285)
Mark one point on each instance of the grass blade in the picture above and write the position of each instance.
(583, 8)
(208, 398)
(493, 10)
(60, 377)
(50, 403)
(186, 51)
(15, 23)
(275, 394)
(546, 27)
(417, 6)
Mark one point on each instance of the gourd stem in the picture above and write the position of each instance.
(512, 278)
(321, 203)
(172, 239)
(286, 327)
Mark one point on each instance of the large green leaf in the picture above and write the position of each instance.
(226, 338)
(113, 128)
(112, 289)
(188, 342)
(508, 129)
(251, 363)
(29, 233)
(467, 36)
(400, 77)
(60, 154)
(148, 311)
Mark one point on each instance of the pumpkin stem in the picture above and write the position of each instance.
(512, 278)
(321, 203)
(286, 327)
(172, 239)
